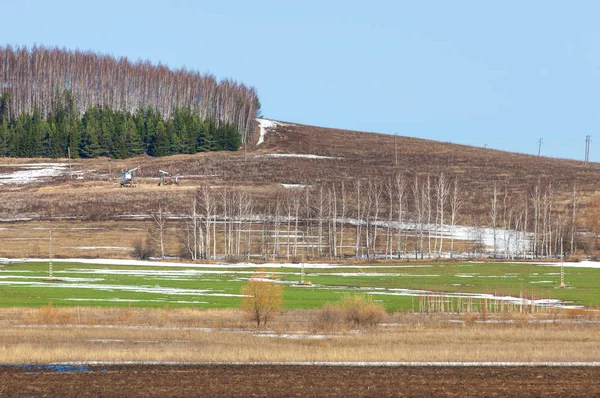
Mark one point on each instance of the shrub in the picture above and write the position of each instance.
(329, 318)
(353, 311)
(361, 311)
(141, 250)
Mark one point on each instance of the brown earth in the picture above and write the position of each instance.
(291, 381)
(355, 156)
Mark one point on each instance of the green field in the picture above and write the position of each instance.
(214, 286)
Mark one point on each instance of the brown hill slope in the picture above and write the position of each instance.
(294, 161)
(339, 155)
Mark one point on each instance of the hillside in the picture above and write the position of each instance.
(283, 174)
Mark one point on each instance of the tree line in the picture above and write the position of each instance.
(113, 133)
(403, 217)
(37, 79)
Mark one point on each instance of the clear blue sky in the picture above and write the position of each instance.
(501, 73)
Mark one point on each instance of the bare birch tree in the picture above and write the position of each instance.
(493, 216)
(157, 235)
(573, 220)
(358, 192)
(400, 192)
(442, 197)
(456, 202)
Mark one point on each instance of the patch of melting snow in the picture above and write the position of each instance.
(515, 300)
(264, 125)
(105, 341)
(31, 172)
(15, 270)
(295, 186)
(298, 336)
(371, 274)
(541, 282)
(99, 248)
(108, 261)
(124, 288)
(120, 300)
(152, 272)
(63, 279)
(582, 264)
(297, 155)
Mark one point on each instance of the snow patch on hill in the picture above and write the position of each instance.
(28, 173)
(266, 124)
(298, 155)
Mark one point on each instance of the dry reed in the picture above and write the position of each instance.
(129, 334)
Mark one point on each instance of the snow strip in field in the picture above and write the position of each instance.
(112, 261)
(321, 363)
(505, 239)
(123, 288)
(297, 155)
(119, 300)
(554, 303)
(298, 336)
(31, 172)
(582, 264)
(295, 186)
(166, 273)
(100, 248)
(64, 279)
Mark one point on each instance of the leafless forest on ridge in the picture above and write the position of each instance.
(39, 78)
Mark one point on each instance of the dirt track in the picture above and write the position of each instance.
(269, 380)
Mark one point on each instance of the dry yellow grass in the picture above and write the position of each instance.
(95, 334)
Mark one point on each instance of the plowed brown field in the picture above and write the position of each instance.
(313, 381)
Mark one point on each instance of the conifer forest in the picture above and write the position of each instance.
(54, 102)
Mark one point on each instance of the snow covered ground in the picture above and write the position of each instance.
(145, 263)
(505, 239)
(295, 186)
(31, 172)
(121, 248)
(297, 155)
(107, 261)
(265, 125)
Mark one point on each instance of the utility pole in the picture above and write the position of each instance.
(588, 139)
(70, 170)
(396, 147)
(540, 146)
(562, 265)
(50, 270)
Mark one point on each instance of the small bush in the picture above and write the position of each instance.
(362, 312)
(50, 315)
(329, 318)
(141, 250)
(353, 311)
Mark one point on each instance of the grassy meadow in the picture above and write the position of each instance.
(218, 286)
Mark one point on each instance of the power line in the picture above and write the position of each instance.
(540, 146)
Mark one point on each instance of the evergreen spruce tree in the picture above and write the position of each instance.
(134, 144)
(4, 138)
(74, 137)
(161, 144)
